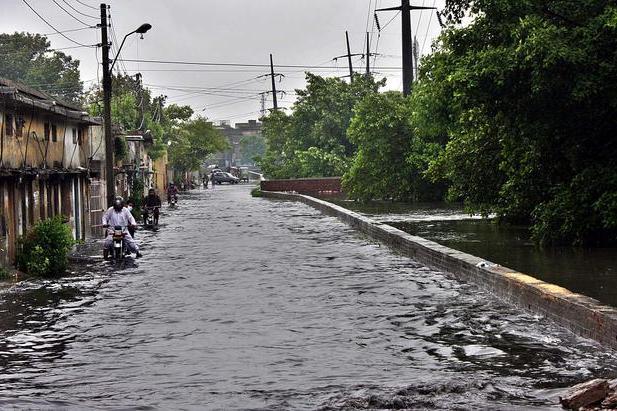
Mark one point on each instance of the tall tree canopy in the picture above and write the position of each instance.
(391, 159)
(312, 141)
(527, 94)
(27, 58)
(192, 142)
(135, 109)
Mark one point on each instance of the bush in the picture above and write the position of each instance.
(256, 192)
(44, 250)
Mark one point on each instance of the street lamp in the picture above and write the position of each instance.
(140, 30)
(107, 68)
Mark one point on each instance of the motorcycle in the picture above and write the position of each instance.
(149, 220)
(173, 201)
(118, 245)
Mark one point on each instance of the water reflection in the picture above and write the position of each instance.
(512, 247)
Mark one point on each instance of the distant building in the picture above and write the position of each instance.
(234, 135)
(50, 153)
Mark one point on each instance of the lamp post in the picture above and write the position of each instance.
(107, 68)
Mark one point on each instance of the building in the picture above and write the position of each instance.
(233, 157)
(47, 150)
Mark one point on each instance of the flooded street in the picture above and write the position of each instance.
(248, 303)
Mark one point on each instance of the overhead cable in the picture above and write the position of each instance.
(55, 29)
(70, 14)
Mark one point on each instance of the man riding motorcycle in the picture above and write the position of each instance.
(152, 201)
(172, 192)
(119, 216)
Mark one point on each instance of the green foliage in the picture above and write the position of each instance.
(126, 111)
(256, 192)
(391, 160)
(27, 58)
(526, 94)
(137, 197)
(252, 148)
(5, 274)
(121, 148)
(44, 250)
(193, 142)
(313, 140)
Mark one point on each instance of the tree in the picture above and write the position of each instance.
(391, 160)
(315, 134)
(27, 58)
(530, 93)
(134, 108)
(252, 148)
(193, 141)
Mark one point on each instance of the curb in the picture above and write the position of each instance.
(578, 313)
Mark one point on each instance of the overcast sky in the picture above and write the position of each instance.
(296, 32)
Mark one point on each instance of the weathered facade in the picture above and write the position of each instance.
(46, 152)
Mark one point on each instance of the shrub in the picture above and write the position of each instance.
(44, 249)
(256, 192)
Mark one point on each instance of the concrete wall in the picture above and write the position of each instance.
(311, 186)
(580, 314)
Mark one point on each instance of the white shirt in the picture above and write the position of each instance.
(123, 219)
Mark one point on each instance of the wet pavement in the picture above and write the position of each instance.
(249, 303)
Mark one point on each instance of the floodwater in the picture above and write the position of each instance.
(248, 303)
(509, 246)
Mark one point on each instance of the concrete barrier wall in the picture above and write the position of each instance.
(582, 315)
(304, 185)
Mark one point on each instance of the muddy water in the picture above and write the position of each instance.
(245, 303)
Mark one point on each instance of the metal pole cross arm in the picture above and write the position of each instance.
(408, 63)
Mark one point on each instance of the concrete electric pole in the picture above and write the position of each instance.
(273, 76)
(109, 144)
(274, 97)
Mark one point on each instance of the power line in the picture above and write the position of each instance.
(46, 51)
(428, 27)
(193, 63)
(87, 5)
(70, 14)
(69, 31)
(79, 12)
(55, 29)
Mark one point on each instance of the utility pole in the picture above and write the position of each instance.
(368, 55)
(416, 57)
(408, 64)
(273, 75)
(349, 56)
(109, 143)
(274, 97)
(263, 104)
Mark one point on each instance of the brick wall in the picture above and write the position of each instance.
(580, 314)
(310, 186)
